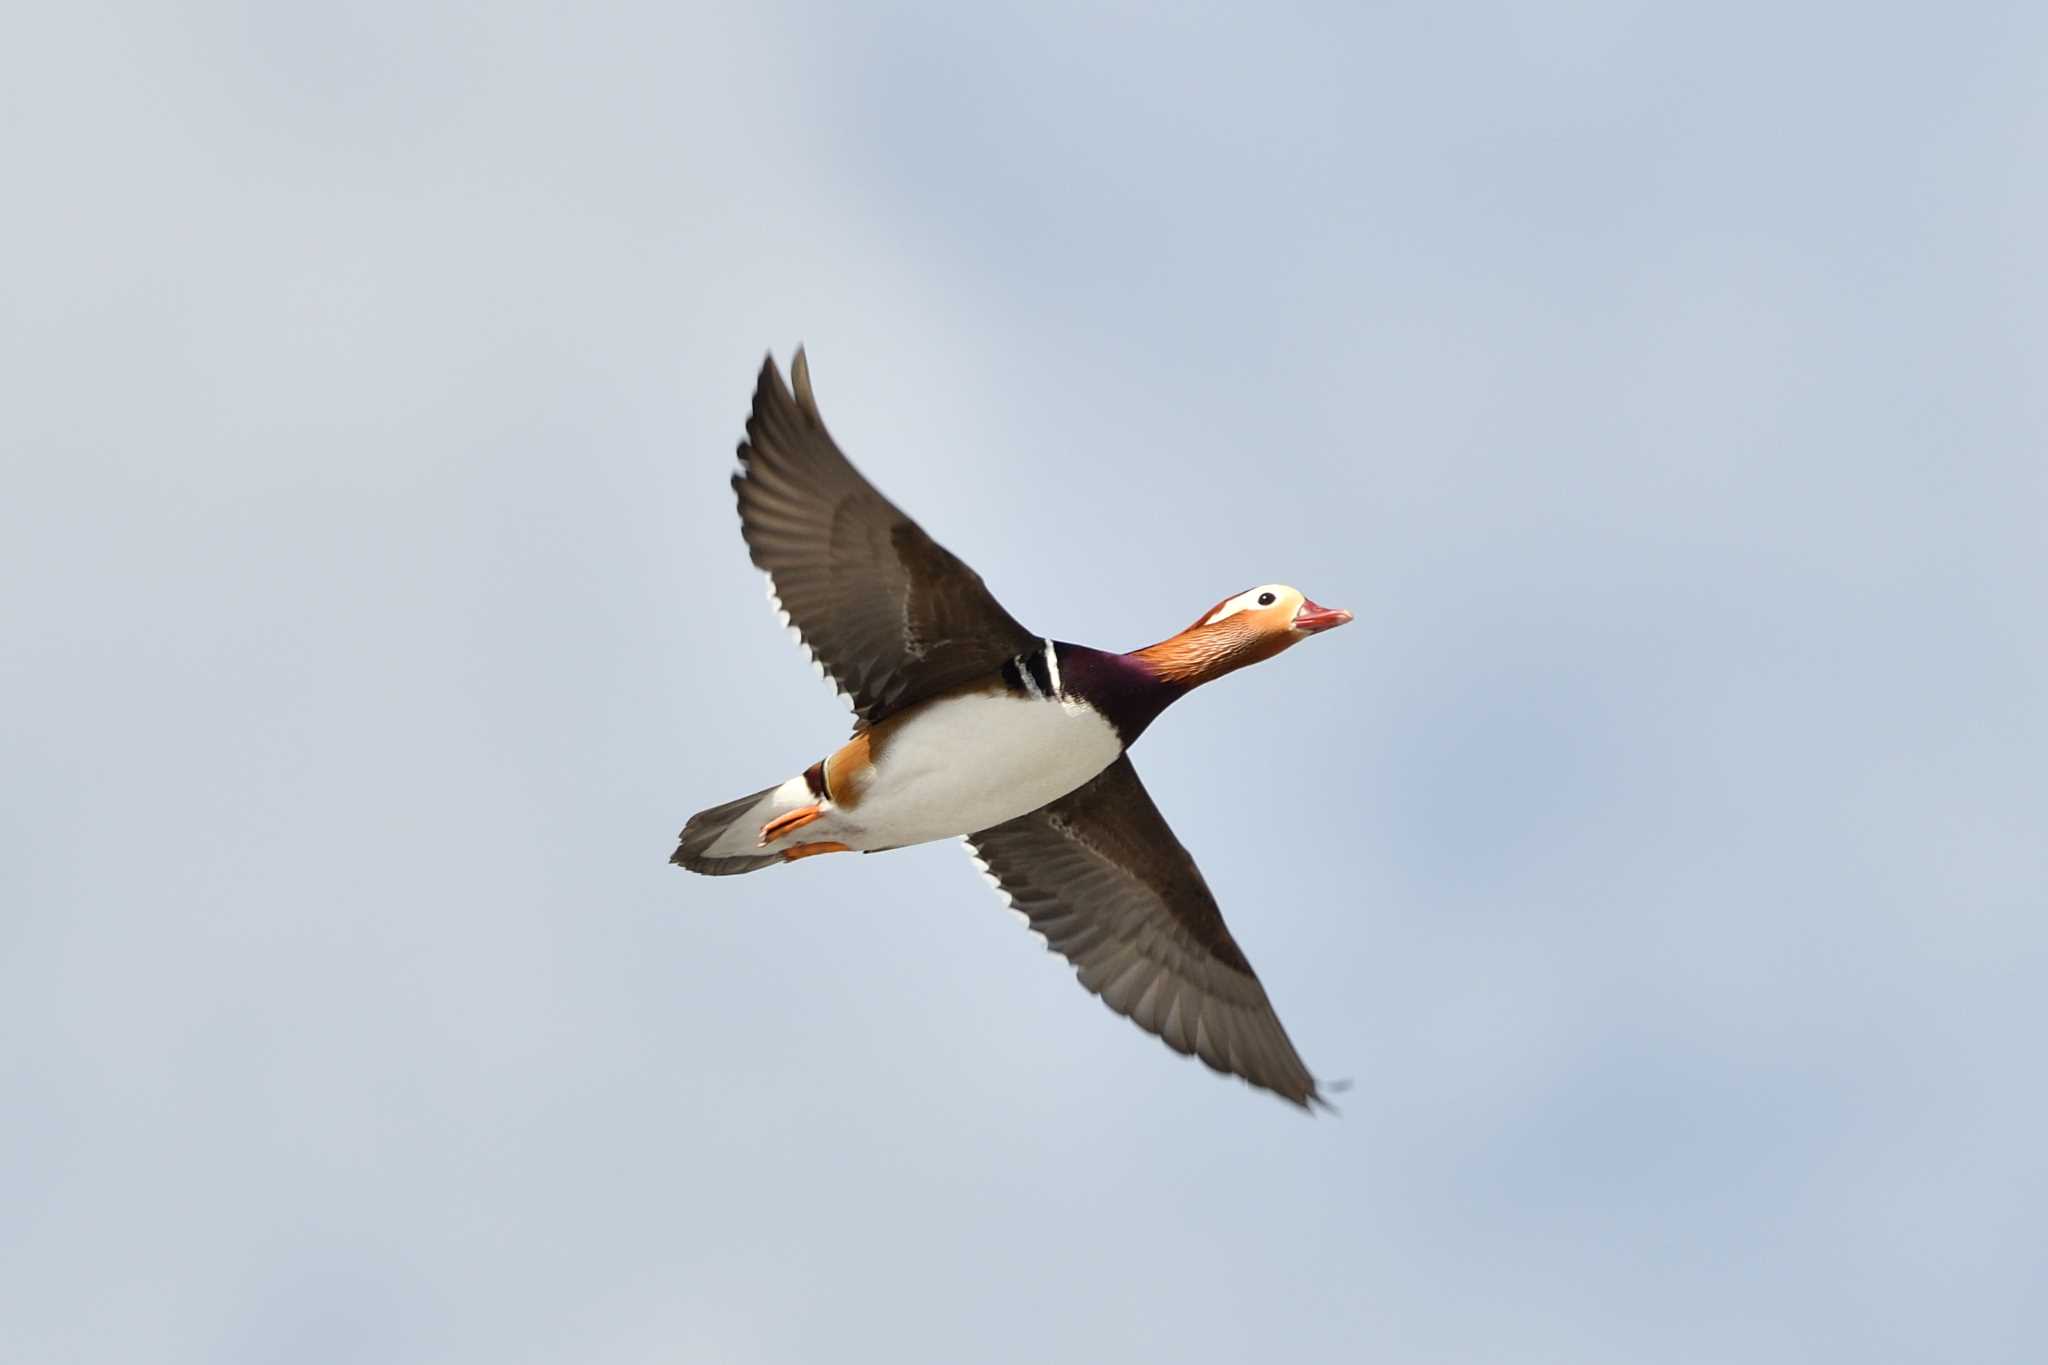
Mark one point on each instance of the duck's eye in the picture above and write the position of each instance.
(1265, 599)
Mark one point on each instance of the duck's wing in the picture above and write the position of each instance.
(888, 613)
(1100, 875)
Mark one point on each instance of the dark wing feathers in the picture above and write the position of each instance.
(1099, 873)
(889, 613)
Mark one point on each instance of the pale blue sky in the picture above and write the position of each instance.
(1661, 853)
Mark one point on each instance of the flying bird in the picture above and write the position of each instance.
(970, 726)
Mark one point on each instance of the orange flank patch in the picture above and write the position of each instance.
(852, 767)
(789, 822)
(795, 851)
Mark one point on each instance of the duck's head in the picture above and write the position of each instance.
(1255, 624)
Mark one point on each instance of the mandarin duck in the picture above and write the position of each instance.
(968, 726)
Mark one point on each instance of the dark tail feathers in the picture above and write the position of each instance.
(705, 829)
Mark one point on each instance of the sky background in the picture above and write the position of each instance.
(1660, 854)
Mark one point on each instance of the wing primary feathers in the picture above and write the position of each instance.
(889, 614)
(800, 376)
(1100, 877)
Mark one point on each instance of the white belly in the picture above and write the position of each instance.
(968, 762)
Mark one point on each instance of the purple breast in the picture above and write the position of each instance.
(1124, 689)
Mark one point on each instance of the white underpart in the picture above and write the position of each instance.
(948, 769)
(968, 762)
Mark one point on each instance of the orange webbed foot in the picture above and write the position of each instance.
(789, 822)
(795, 851)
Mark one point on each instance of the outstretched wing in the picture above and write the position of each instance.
(1099, 873)
(889, 613)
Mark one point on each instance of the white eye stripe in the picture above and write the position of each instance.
(1248, 601)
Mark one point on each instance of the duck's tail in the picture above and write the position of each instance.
(726, 840)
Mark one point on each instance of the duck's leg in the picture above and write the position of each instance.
(789, 822)
(795, 851)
